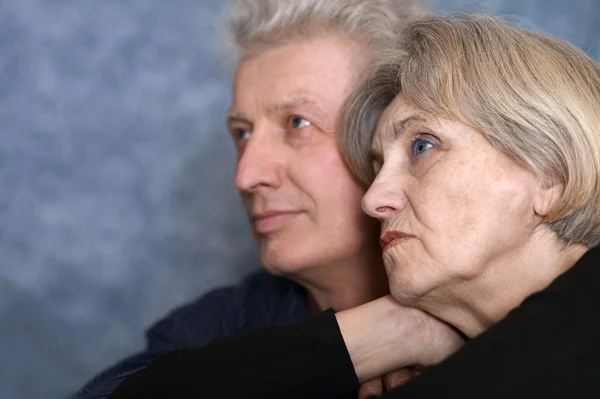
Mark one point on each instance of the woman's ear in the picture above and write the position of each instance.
(547, 195)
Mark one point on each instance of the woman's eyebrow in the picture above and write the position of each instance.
(398, 127)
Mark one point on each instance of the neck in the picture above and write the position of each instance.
(477, 304)
(346, 283)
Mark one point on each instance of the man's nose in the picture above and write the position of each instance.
(260, 165)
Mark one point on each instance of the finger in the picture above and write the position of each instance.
(397, 378)
(369, 388)
(416, 371)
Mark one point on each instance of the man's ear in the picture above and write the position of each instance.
(548, 193)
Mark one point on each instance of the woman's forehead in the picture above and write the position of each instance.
(399, 116)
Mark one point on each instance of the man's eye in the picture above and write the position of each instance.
(420, 146)
(376, 165)
(376, 161)
(297, 122)
(241, 134)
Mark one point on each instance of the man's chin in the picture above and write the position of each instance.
(284, 264)
(288, 252)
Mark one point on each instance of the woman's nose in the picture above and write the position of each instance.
(385, 197)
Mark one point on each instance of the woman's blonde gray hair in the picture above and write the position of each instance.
(253, 26)
(534, 97)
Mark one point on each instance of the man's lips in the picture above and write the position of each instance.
(391, 238)
(271, 221)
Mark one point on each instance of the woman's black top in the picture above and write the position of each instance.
(546, 348)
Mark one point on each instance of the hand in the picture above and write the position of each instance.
(382, 336)
(390, 381)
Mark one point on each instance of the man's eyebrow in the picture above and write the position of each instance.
(233, 115)
(287, 104)
(237, 116)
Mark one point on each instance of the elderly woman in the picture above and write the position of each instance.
(487, 163)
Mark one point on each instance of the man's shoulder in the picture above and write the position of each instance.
(260, 285)
(258, 300)
(270, 300)
(256, 291)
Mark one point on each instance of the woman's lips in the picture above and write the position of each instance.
(390, 238)
(269, 222)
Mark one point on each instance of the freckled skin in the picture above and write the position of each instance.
(469, 207)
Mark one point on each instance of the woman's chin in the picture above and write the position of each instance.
(405, 292)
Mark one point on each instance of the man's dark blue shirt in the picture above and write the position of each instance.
(260, 300)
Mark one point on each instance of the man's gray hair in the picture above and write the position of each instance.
(254, 26)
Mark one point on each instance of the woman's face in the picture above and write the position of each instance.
(451, 206)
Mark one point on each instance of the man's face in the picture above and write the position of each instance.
(303, 203)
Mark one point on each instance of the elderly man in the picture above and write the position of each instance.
(298, 62)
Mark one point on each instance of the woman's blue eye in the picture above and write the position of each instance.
(419, 146)
(298, 122)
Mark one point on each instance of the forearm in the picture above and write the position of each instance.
(305, 360)
(319, 358)
(380, 336)
(105, 383)
(383, 336)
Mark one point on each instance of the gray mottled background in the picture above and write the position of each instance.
(116, 174)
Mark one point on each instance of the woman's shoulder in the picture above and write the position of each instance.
(579, 282)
